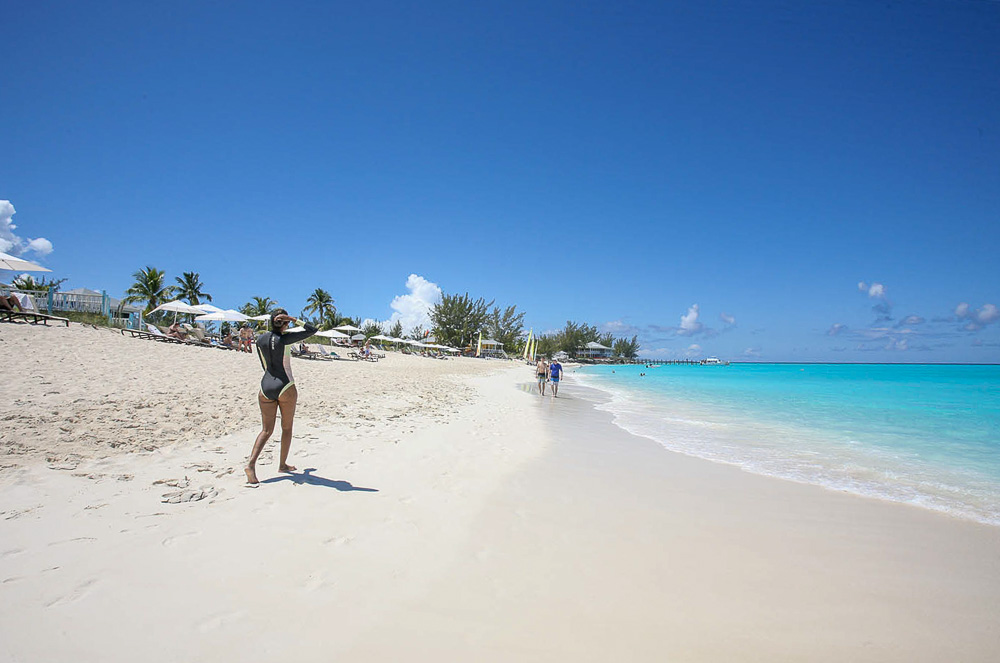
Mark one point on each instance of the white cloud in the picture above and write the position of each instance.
(912, 320)
(689, 322)
(40, 245)
(751, 353)
(618, 327)
(977, 318)
(12, 243)
(876, 290)
(862, 286)
(414, 308)
(836, 329)
(728, 319)
(987, 314)
(693, 350)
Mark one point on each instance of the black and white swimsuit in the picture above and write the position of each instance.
(275, 352)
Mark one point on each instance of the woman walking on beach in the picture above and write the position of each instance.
(277, 388)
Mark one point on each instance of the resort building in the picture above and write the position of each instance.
(491, 348)
(594, 350)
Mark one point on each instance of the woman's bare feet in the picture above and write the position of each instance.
(287, 468)
(251, 476)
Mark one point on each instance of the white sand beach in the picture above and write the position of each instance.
(442, 511)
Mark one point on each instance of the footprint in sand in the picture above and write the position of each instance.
(339, 541)
(182, 496)
(316, 582)
(222, 619)
(80, 592)
(173, 483)
(13, 552)
(79, 539)
(172, 541)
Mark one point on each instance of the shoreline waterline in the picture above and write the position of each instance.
(874, 461)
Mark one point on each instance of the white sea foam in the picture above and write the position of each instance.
(800, 454)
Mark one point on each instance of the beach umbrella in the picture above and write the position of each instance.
(228, 315)
(332, 333)
(358, 337)
(260, 318)
(347, 328)
(18, 265)
(208, 308)
(177, 306)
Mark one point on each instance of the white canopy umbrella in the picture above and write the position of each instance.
(18, 265)
(177, 306)
(229, 315)
(261, 318)
(208, 308)
(347, 328)
(358, 337)
(332, 333)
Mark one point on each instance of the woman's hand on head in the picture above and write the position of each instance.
(283, 318)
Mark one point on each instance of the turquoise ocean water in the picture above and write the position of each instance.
(927, 435)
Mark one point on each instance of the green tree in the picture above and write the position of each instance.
(149, 287)
(396, 331)
(548, 345)
(371, 328)
(627, 348)
(458, 319)
(506, 326)
(418, 332)
(26, 282)
(321, 303)
(259, 306)
(190, 288)
(607, 340)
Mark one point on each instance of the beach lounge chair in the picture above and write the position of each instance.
(199, 336)
(29, 314)
(309, 353)
(160, 335)
(325, 352)
(30, 317)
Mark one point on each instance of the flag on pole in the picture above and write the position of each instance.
(479, 346)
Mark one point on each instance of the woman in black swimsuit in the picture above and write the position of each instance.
(277, 388)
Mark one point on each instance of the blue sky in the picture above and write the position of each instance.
(722, 175)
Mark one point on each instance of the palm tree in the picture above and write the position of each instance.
(26, 282)
(149, 287)
(259, 306)
(190, 286)
(321, 303)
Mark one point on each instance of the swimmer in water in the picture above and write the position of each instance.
(277, 388)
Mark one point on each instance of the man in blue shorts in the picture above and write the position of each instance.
(555, 374)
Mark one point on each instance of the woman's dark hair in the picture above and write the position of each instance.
(274, 314)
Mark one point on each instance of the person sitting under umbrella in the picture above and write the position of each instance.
(177, 331)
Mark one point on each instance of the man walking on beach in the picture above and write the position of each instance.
(541, 374)
(555, 374)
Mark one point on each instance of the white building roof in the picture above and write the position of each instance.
(596, 346)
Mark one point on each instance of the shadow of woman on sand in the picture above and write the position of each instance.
(306, 476)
